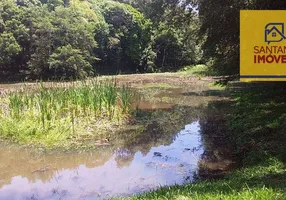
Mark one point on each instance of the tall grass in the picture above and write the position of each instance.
(86, 101)
(126, 97)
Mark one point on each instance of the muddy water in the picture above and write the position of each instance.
(109, 171)
(103, 173)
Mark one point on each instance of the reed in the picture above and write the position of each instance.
(126, 97)
(66, 108)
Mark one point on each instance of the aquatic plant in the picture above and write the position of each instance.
(59, 112)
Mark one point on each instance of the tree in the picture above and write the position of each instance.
(172, 22)
(75, 27)
(67, 62)
(106, 36)
(9, 50)
(125, 40)
(42, 41)
(63, 27)
(13, 34)
(169, 48)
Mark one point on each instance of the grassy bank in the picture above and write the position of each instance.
(256, 130)
(63, 116)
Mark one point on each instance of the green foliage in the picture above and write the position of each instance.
(196, 70)
(12, 34)
(103, 36)
(169, 47)
(57, 115)
(125, 39)
(112, 37)
(65, 29)
(175, 37)
(42, 42)
(68, 62)
(9, 49)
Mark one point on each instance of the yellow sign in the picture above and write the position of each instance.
(262, 45)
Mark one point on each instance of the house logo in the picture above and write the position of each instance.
(274, 32)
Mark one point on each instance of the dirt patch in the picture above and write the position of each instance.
(171, 78)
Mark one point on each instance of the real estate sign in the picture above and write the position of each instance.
(263, 45)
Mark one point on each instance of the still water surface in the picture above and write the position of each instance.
(99, 174)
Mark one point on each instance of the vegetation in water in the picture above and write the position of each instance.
(64, 115)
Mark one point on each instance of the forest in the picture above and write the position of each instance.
(55, 39)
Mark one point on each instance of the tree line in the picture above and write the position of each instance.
(62, 39)
(46, 39)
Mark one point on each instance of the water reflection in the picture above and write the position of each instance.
(103, 173)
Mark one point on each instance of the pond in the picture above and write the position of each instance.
(102, 173)
(161, 155)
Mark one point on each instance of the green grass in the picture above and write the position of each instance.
(217, 86)
(259, 119)
(260, 182)
(198, 70)
(63, 116)
(256, 129)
